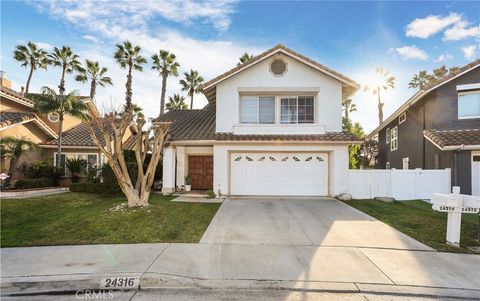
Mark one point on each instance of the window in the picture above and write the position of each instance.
(394, 139)
(469, 105)
(92, 160)
(387, 135)
(53, 117)
(256, 109)
(402, 118)
(295, 109)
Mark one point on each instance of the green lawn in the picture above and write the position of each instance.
(81, 218)
(418, 220)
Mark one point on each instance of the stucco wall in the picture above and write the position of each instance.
(338, 162)
(299, 77)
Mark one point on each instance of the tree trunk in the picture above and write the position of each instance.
(93, 87)
(164, 89)
(59, 147)
(135, 198)
(191, 102)
(380, 108)
(128, 85)
(62, 81)
(29, 79)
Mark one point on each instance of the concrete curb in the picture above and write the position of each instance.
(25, 286)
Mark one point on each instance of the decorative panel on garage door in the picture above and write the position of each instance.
(279, 174)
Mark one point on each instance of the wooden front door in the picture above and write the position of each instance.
(200, 169)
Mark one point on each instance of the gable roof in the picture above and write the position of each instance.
(16, 97)
(10, 119)
(78, 136)
(424, 91)
(209, 87)
(454, 139)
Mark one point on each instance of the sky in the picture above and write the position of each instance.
(353, 38)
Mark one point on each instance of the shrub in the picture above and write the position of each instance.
(88, 187)
(33, 183)
(45, 169)
(76, 167)
(93, 174)
(211, 194)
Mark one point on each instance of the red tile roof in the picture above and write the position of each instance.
(9, 118)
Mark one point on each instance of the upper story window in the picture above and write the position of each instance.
(469, 104)
(394, 139)
(402, 118)
(296, 109)
(387, 136)
(258, 110)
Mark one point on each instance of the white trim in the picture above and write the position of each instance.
(416, 97)
(354, 85)
(263, 142)
(404, 115)
(37, 121)
(69, 146)
(468, 87)
(50, 115)
(278, 59)
(462, 93)
(394, 141)
(16, 99)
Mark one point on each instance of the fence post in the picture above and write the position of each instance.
(448, 172)
(370, 183)
(392, 180)
(418, 171)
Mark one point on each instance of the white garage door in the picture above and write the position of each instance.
(279, 174)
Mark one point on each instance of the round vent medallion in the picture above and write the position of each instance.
(53, 117)
(278, 67)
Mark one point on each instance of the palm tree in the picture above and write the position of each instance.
(420, 80)
(65, 58)
(128, 57)
(191, 84)
(166, 65)
(387, 82)
(13, 147)
(31, 56)
(96, 75)
(348, 107)
(245, 58)
(440, 72)
(71, 104)
(177, 102)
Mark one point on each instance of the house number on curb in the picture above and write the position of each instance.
(455, 204)
(120, 283)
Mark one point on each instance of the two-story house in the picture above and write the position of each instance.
(438, 127)
(273, 126)
(19, 119)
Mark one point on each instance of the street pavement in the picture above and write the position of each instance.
(256, 249)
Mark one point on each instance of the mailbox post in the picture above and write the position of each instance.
(455, 204)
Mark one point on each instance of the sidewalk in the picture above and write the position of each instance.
(245, 267)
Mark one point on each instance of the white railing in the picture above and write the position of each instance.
(400, 184)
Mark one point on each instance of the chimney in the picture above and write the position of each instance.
(4, 82)
(22, 90)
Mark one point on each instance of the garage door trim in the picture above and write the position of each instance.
(325, 152)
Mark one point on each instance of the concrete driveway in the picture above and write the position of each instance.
(302, 221)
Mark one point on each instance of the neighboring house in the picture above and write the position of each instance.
(17, 118)
(273, 126)
(438, 127)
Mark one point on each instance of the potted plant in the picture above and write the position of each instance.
(188, 183)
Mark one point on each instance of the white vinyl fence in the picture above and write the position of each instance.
(400, 184)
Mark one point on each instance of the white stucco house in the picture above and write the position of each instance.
(273, 126)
